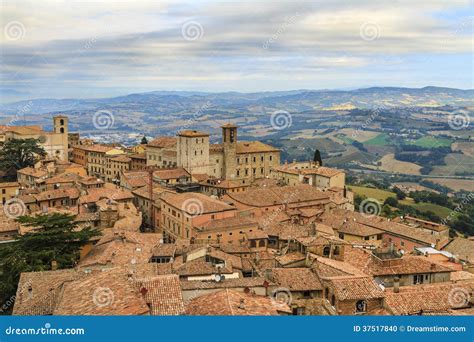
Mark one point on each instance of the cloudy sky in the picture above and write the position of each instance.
(87, 49)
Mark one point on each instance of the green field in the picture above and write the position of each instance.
(346, 139)
(378, 194)
(380, 140)
(431, 142)
(424, 207)
(381, 195)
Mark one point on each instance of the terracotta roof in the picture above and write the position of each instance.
(254, 147)
(96, 148)
(63, 178)
(233, 303)
(121, 248)
(163, 142)
(296, 279)
(163, 294)
(358, 229)
(107, 292)
(370, 264)
(192, 203)
(428, 299)
(38, 292)
(290, 258)
(174, 173)
(91, 181)
(462, 248)
(164, 250)
(108, 191)
(228, 223)
(56, 194)
(297, 168)
(158, 190)
(226, 283)
(30, 171)
(290, 195)
(328, 268)
(199, 267)
(336, 217)
(192, 133)
(353, 288)
(285, 231)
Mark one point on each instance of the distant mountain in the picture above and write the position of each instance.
(186, 100)
(159, 111)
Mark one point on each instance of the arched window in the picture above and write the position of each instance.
(261, 243)
(326, 251)
(333, 300)
(61, 122)
(336, 250)
(361, 306)
(61, 130)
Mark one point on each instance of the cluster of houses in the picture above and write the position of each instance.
(193, 228)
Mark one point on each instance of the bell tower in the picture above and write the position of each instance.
(229, 141)
(61, 136)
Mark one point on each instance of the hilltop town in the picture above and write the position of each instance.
(188, 227)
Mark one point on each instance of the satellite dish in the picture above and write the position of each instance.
(42, 139)
(217, 277)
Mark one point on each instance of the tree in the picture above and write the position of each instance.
(144, 140)
(55, 238)
(317, 158)
(20, 153)
(400, 194)
(391, 201)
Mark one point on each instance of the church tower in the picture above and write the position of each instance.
(229, 141)
(60, 136)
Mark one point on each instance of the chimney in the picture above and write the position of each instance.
(54, 265)
(396, 285)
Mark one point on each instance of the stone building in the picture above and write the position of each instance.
(55, 143)
(193, 151)
(231, 159)
(161, 152)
